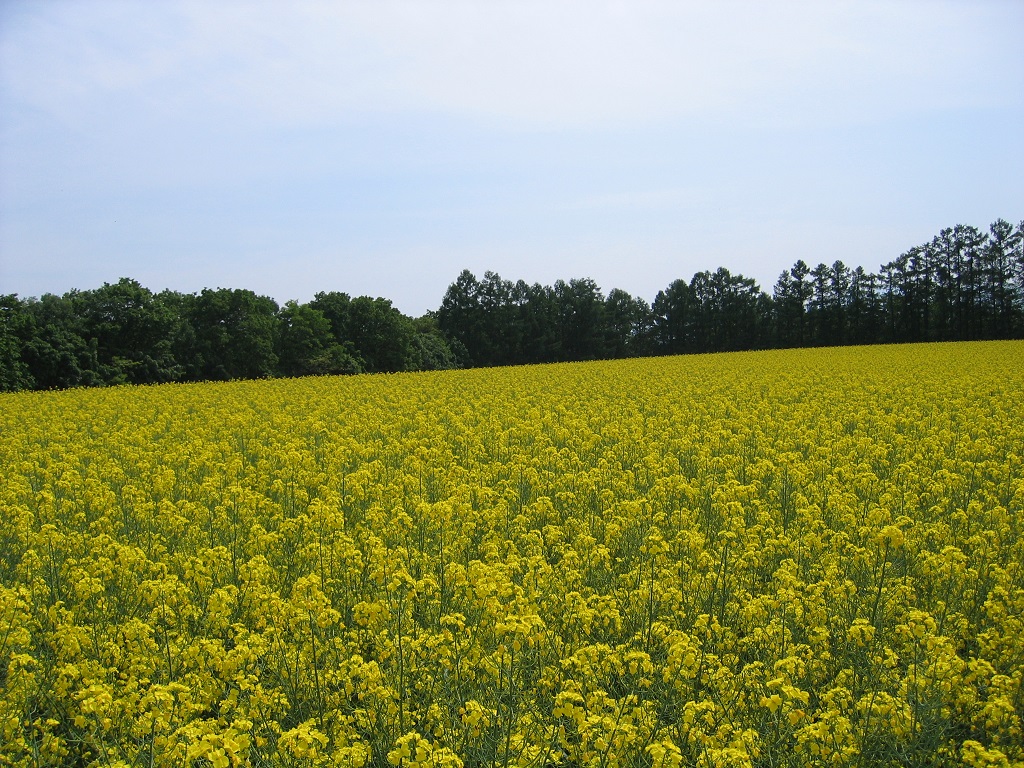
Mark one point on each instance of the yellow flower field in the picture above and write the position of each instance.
(788, 558)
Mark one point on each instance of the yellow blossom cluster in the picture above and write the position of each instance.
(788, 558)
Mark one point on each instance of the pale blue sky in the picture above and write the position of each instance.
(380, 147)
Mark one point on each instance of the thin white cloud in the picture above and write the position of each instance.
(579, 62)
(367, 143)
(559, 64)
(662, 199)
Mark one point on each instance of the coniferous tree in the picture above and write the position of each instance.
(460, 318)
(963, 284)
(628, 325)
(580, 307)
(672, 309)
(790, 303)
(997, 315)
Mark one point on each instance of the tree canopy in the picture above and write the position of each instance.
(964, 284)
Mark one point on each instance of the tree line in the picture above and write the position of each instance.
(122, 333)
(964, 284)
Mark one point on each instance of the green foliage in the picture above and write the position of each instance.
(132, 333)
(304, 336)
(376, 334)
(628, 326)
(963, 284)
(381, 335)
(55, 347)
(431, 351)
(14, 373)
(336, 359)
(235, 332)
(580, 308)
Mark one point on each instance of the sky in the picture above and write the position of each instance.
(379, 148)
